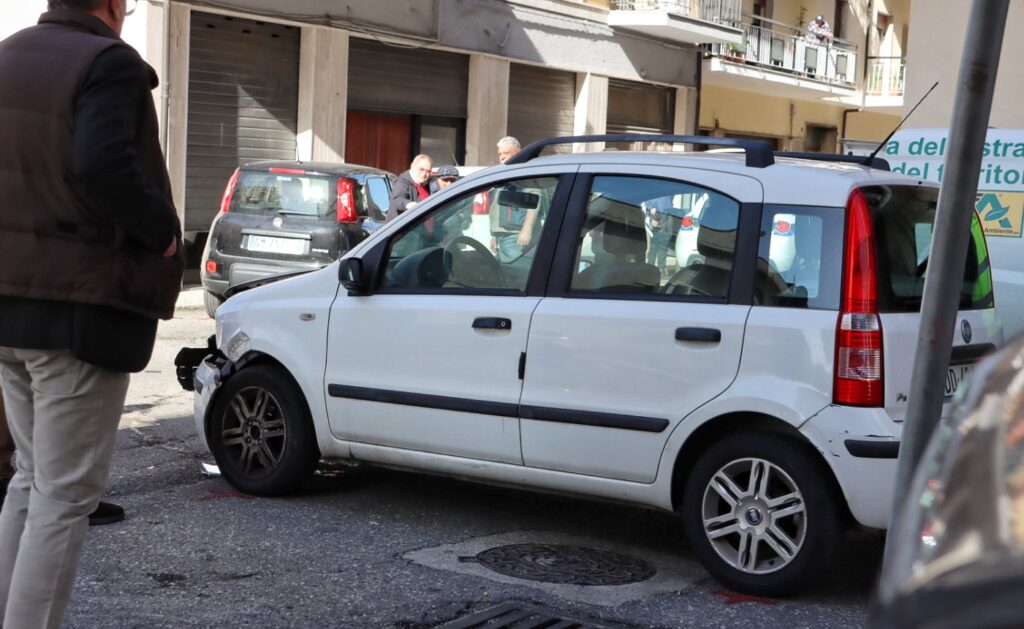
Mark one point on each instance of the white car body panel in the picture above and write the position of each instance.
(425, 344)
(287, 320)
(624, 360)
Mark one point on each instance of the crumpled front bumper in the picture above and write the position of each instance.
(203, 371)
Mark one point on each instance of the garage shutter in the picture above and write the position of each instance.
(639, 108)
(541, 104)
(243, 90)
(404, 81)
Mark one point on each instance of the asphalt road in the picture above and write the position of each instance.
(367, 547)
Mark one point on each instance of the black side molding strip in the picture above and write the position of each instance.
(501, 409)
(962, 354)
(864, 449)
(463, 405)
(593, 418)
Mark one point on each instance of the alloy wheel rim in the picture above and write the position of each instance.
(254, 432)
(754, 516)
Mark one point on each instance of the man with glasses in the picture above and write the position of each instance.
(90, 259)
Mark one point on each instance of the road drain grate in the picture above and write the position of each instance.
(570, 565)
(514, 616)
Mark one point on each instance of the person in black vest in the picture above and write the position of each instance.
(90, 259)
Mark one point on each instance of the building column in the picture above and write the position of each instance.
(486, 109)
(686, 111)
(591, 115)
(323, 94)
(176, 86)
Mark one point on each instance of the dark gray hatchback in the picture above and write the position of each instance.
(280, 217)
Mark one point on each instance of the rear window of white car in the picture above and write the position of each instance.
(801, 253)
(904, 218)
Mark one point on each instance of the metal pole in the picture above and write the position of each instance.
(968, 128)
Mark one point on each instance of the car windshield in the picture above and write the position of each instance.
(290, 194)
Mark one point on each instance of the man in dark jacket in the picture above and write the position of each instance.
(412, 186)
(90, 259)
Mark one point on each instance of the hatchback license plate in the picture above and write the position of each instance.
(270, 244)
(955, 377)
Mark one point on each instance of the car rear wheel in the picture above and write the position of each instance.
(211, 302)
(760, 514)
(261, 432)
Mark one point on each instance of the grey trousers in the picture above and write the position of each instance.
(63, 415)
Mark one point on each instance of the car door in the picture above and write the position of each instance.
(630, 340)
(431, 360)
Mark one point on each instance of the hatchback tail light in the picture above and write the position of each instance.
(229, 190)
(481, 203)
(347, 201)
(859, 379)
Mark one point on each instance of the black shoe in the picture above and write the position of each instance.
(106, 513)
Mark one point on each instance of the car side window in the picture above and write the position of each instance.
(800, 250)
(483, 239)
(650, 236)
(378, 191)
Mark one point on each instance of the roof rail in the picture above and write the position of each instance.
(758, 152)
(861, 160)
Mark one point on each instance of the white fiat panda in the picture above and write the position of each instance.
(756, 387)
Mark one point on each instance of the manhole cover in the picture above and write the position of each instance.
(573, 565)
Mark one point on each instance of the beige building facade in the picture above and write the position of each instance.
(936, 47)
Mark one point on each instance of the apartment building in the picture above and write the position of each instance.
(803, 92)
(376, 82)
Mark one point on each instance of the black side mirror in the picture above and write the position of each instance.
(350, 274)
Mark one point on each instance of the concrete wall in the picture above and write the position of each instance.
(728, 110)
(937, 34)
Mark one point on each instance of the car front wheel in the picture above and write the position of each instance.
(261, 432)
(761, 515)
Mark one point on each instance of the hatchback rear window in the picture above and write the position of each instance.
(904, 218)
(269, 193)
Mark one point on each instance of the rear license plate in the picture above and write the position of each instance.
(270, 244)
(955, 377)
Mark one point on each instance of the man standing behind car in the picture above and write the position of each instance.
(412, 186)
(90, 258)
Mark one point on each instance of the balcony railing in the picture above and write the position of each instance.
(885, 76)
(715, 11)
(785, 48)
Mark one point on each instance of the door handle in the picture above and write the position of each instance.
(700, 335)
(492, 323)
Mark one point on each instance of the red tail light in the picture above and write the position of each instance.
(286, 171)
(481, 203)
(347, 201)
(211, 266)
(225, 201)
(858, 377)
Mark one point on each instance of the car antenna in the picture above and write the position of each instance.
(871, 158)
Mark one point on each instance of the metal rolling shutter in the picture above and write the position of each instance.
(406, 81)
(541, 104)
(640, 108)
(243, 92)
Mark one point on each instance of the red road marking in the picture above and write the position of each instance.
(227, 493)
(732, 598)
